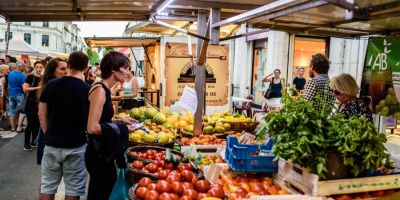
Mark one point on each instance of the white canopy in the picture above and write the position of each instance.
(17, 46)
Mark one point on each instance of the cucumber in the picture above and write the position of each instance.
(168, 155)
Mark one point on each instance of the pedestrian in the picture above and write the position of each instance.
(100, 162)
(63, 110)
(346, 90)
(31, 86)
(29, 69)
(130, 89)
(2, 61)
(275, 94)
(16, 94)
(3, 73)
(89, 78)
(299, 81)
(317, 88)
(55, 68)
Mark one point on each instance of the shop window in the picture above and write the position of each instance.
(27, 38)
(45, 24)
(10, 35)
(45, 40)
(304, 48)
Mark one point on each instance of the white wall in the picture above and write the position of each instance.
(347, 56)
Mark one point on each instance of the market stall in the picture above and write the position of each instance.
(298, 152)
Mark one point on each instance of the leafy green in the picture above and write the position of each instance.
(304, 136)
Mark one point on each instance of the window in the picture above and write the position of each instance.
(10, 35)
(45, 24)
(45, 40)
(27, 38)
(27, 23)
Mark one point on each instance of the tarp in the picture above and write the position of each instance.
(17, 46)
(56, 54)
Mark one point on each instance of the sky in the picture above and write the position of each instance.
(102, 29)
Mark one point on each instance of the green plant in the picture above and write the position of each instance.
(304, 135)
(93, 56)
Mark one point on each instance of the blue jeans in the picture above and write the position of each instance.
(15, 104)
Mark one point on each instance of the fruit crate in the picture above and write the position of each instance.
(298, 178)
(239, 157)
(244, 126)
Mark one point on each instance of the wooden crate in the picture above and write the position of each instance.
(297, 177)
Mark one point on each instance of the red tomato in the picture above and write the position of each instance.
(201, 196)
(163, 174)
(169, 166)
(160, 163)
(202, 186)
(163, 186)
(152, 168)
(141, 192)
(216, 192)
(177, 188)
(174, 177)
(152, 186)
(144, 182)
(185, 198)
(190, 167)
(165, 196)
(151, 157)
(150, 152)
(195, 179)
(187, 175)
(151, 195)
(174, 196)
(138, 165)
(187, 186)
(190, 192)
(145, 155)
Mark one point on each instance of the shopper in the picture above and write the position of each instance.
(31, 86)
(55, 68)
(29, 69)
(317, 88)
(100, 162)
(16, 94)
(63, 110)
(3, 73)
(299, 81)
(276, 88)
(345, 89)
(130, 90)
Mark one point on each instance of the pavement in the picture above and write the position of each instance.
(19, 174)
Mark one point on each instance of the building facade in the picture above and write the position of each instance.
(62, 37)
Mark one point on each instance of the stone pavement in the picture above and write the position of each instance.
(19, 173)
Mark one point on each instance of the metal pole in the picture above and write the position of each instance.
(7, 36)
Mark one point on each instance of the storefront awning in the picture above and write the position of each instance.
(307, 17)
(120, 42)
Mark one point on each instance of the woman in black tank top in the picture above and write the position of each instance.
(114, 68)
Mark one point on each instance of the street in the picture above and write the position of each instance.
(19, 173)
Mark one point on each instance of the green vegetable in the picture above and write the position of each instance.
(168, 155)
(304, 136)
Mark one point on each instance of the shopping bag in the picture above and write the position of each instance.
(120, 189)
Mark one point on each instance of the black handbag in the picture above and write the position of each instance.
(268, 93)
(4, 123)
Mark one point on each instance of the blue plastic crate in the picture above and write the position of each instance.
(239, 157)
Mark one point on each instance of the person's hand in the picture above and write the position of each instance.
(126, 121)
(131, 128)
(271, 74)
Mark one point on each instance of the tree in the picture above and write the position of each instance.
(107, 49)
(93, 56)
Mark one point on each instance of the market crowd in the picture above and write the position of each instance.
(69, 110)
(68, 107)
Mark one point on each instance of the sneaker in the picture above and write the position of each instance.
(28, 149)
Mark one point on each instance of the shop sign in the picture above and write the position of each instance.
(381, 76)
(180, 72)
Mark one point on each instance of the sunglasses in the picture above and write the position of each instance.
(336, 92)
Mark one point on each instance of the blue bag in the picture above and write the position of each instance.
(120, 189)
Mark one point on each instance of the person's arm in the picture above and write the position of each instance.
(43, 116)
(97, 99)
(268, 78)
(26, 86)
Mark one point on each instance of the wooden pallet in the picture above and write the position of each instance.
(297, 177)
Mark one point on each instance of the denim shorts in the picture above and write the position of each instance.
(64, 163)
(15, 104)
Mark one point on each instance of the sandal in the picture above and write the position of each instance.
(13, 130)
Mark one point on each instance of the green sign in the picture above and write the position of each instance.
(381, 76)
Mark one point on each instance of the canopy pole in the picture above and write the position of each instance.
(7, 36)
(200, 79)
